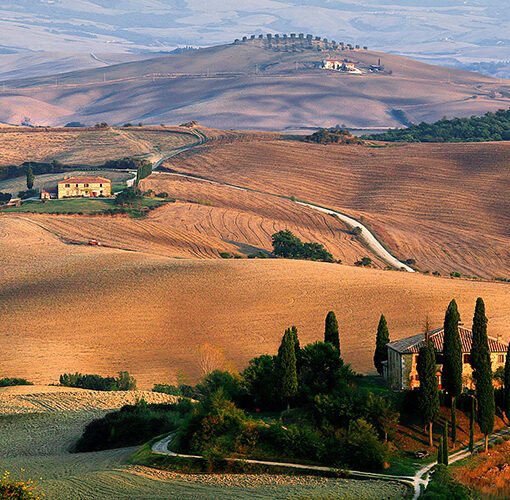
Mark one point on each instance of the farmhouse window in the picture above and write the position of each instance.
(68, 185)
(467, 358)
(77, 185)
(100, 185)
(501, 358)
(86, 185)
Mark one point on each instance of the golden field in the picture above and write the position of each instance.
(444, 205)
(101, 310)
(87, 146)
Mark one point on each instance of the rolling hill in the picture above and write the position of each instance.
(255, 84)
(109, 309)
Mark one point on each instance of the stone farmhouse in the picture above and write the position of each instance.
(400, 369)
(88, 187)
(338, 65)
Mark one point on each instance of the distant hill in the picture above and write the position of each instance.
(264, 84)
(489, 127)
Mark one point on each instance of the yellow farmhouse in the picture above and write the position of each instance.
(400, 369)
(92, 187)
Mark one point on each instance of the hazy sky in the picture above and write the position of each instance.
(465, 29)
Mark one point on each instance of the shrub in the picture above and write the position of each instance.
(12, 381)
(442, 485)
(162, 195)
(226, 255)
(289, 246)
(364, 261)
(364, 448)
(5, 197)
(167, 389)
(29, 193)
(16, 490)
(357, 231)
(127, 197)
(124, 382)
(455, 274)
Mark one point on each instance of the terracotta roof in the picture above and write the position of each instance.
(74, 180)
(412, 344)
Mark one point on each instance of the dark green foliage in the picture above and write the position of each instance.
(333, 136)
(382, 338)
(440, 454)
(124, 382)
(381, 413)
(442, 486)
(131, 425)
(17, 490)
(289, 246)
(428, 394)
(173, 390)
(127, 197)
(445, 444)
(454, 420)
(364, 447)
(489, 127)
(37, 169)
(331, 335)
(287, 367)
(481, 362)
(364, 262)
(452, 352)
(127, 163)
(338, 408)
(506, 385)
(5, 197)
(144, 169)
(472, 426)
(29, 193)
(12, 381)
(259, 379)
(30, 177)
(229, 383)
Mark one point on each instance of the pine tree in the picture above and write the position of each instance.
(507, 384)
(428, 394)
(481, 362)
(472, 426)
(331, 335)
(383, 338)
(287, 365)
(30, 177)
(440, 452)
(445, 444)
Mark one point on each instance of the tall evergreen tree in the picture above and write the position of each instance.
(440, 452)
(472, 426)
(383, 338)
(428, 394)
(287, 366)
(481, 362)
(30, 177)
(507, 384)
(331, 335)
(454, 420)
(445, 444)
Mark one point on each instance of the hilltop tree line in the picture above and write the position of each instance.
(489, 127)
(333, 136)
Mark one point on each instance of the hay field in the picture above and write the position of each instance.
(101, 310)
(208, 219)
(87, 146)
(444, 205)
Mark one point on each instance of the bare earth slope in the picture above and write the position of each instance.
(444, 205)
(252, 86)
(98, 310)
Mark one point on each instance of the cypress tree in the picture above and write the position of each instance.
(30, 177)
(507, 384)
(383, 338)
(440, 452)
(428, 395)
(454, 420)
(287, 365)
(331, 335)
(472, 426)
(445, 444)
(482, 365)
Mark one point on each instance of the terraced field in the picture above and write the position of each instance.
(100, 310)
(446, 206)
(87, 146)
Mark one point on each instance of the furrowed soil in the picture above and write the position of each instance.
(444, 205)
(87, 146)
(39, 425)
(70, 308)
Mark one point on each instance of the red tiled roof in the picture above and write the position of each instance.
(412, 344)
(74, 180)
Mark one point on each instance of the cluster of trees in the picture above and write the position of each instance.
(489, 127)
(123, 382)
(289, 246)
(127, 163)
(5, 197)
(143, 170)
(36, 168)
(128, 196)
(328, 417)
(333, 136)
(12, 381)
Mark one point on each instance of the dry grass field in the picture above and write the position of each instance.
(111, 310)
(87, 146)
(39, 425)
(444, 205)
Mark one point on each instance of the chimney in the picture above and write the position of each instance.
(500, 337)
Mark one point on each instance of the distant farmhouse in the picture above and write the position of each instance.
(400, 369)
(88, 187)
(338, 65)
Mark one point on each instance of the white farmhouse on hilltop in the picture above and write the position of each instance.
(400, 369)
